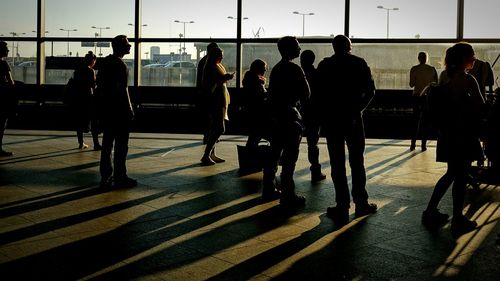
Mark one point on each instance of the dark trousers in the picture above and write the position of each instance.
(217, 128)
(312, 136)
(420, 128)
(353, 135)
(117, 136)
(285, 143)
(93, 129)
(457, 173)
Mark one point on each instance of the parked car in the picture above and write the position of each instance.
(154, 65)
(27, 64)
(180, 64)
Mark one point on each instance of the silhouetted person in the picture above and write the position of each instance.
(83, 105)
(116, 114)
(460, 109)
(288, 88)
(214, 82)
(310, 111)
(6, 85)
(256, 98)
(421, 75)
(203, 96)
(345, 89)
(484, 76)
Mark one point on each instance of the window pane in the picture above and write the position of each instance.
(411, 19)
(164, 65)
(22, 61)
(481, 19)
(59, 67)
(299, 18)
(10, 15)
(195, 18)
(109, 18)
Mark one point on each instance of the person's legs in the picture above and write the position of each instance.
(79, 136)
(95, 134)
(105, 167)
(120, 155)
(415, 121)
(217, 129)
(431, 216)
(459, 223)
(289, 158)
(312, 136)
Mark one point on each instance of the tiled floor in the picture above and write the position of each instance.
(188, 222)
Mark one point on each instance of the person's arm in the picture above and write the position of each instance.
(305, 91)
(368, 86)
(412, 77)
(434, 75)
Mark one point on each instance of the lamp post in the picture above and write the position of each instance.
(184, 34)
(100, 35)
(388, 10)
(303, 19)
(233, 18)
(15, 51)
(68, 31)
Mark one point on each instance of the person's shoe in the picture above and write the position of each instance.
(424, 147)
(97, 147)
(340, 216)
(461, 225)
(83, 146)
(217, 159)
(207, 161)
(125, 182)
(106, 182)
(433, 218)
(317, 177)
(292, 201)
(270, 190)
(365, 209)
(412, 147)
(4, 153)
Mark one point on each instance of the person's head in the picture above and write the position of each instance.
(289, 47)
(4, 50)
(341, 44)
(90, 59)
(120, 45)
(258, 66)
(459, 57)
(215, 55)
(211, 45)
(422, 57)
(307, 57)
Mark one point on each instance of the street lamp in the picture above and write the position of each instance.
(68, 31)
(131, 24)
(184, 34)
(388, 10)
(100, 36)
(233, 18)
(15, 51)
(303, 19)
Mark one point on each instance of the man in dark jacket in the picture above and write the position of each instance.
(345, 89)
(288, 88)
(116, 113)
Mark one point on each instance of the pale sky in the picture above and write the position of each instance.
(274, 18)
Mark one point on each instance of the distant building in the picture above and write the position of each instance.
(154, 50)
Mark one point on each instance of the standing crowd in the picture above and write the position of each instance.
(299, 99)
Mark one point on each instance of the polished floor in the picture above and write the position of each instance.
(188, 222)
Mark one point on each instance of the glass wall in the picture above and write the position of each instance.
(313, 18)
(175, 34)
(481, 19)
(403, 19)
(188, 19)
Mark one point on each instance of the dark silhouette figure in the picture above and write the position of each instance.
(83, 105)
(421, 76)
(460, 110)
(311, 122)
(484, 76)
(203, 96)
(346, 88)
(288, 89)
(116, 114)
(256, 100)
(6, 104)
(214, 82)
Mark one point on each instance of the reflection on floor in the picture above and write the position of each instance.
(188, 222)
